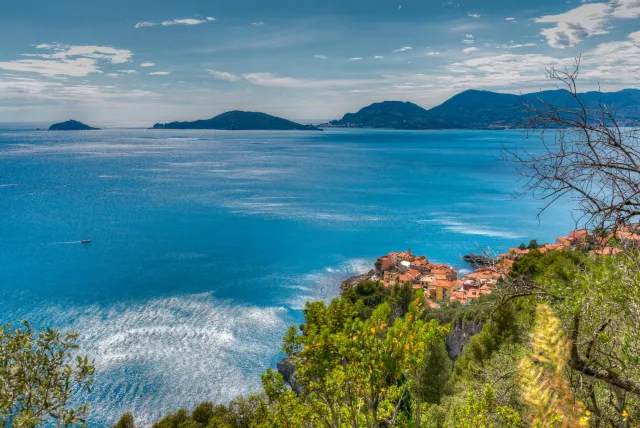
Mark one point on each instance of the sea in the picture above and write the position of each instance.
(205, 245)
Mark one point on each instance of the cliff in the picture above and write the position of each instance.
(460, 335)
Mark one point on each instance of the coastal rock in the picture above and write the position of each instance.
(354, 280)
(287, 368)
(477, 260)
(460, 336)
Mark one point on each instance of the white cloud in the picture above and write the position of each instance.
(257, 24)
(575, 25)
(509, 19)
(627, 9)
(223, 75)
(474, 15)
(77, 61)
(468, 41)
(521, 45)
(403, 49)
(615, 65)
(31, 90)
(127, 71)
(113, 75)
(182, 21)
(432, 53)
(147, 64)
(159, 73)
(469, 36)
(357, 58)
(320, 56)
(378, 57)
(273, 80)
(587, 20)
(470, 50)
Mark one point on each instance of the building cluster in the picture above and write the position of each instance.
(440, 282)
(443, 283)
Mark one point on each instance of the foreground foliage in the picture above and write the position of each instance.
(39, 378)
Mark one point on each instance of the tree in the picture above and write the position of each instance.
(40, 376)
(587, 154)
(596, 301)
(125, 421)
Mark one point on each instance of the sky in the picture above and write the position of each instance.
(146, 61)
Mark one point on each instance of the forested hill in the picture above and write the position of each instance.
(71, 125)
(239, 121)
(473, 109)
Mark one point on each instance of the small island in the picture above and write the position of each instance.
(240, 121)
(71, 125)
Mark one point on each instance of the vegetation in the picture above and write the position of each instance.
(39, 378)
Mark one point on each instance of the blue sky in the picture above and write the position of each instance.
(143, 61)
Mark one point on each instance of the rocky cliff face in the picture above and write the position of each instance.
(461, 335)
(287, 368)
(354, 280)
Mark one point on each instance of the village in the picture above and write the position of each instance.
(442, 283)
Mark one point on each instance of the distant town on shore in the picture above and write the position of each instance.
(443, 284)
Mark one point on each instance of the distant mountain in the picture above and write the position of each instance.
(481, 110)
(390, 114)
(71, 125)
(239, 121)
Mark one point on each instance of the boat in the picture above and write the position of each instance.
(85, 241)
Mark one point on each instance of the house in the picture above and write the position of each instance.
(431, 304)
(458, 296)
(564, 242)
(414, 274)
(486, 289)
(580, 236)
(441, 290)
(606, 251)
(516, 253)
(628, 239)
(384, 263)
(443, 272)
(427, 279)
(421, 263)
(391, 276)
(405, 264)
(405, 256)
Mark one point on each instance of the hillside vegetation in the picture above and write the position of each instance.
(565, 351)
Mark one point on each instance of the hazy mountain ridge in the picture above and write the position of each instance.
(474, 109)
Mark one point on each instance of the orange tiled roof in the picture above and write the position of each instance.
(606, 251)
(432, 304)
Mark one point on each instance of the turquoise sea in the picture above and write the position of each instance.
(206, 244)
